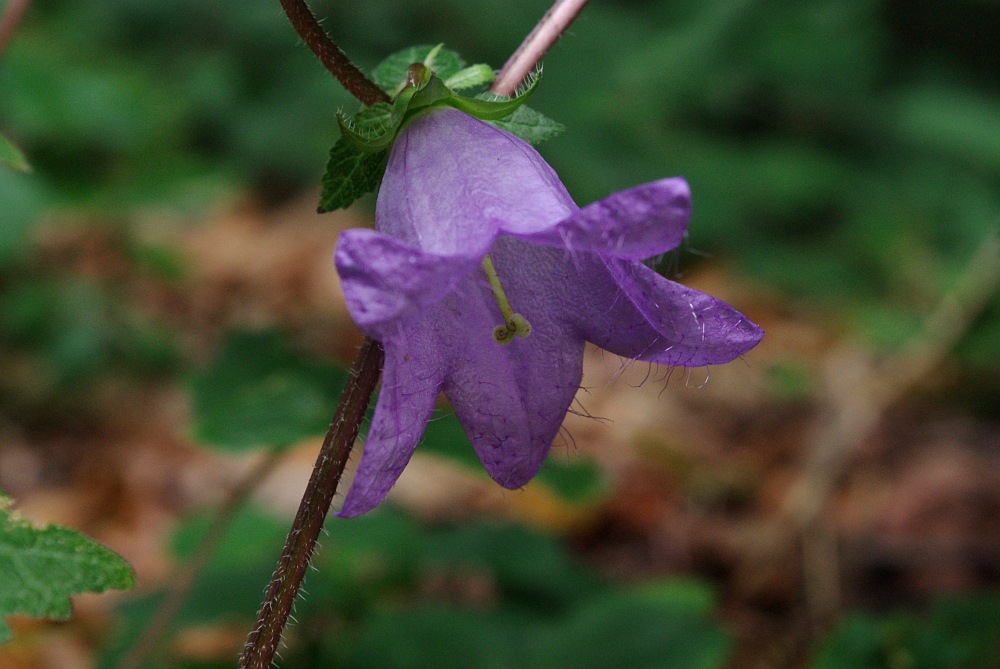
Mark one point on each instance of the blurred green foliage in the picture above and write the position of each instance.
(843, 152)
(259, 392)
(391, 592)
(958, 632)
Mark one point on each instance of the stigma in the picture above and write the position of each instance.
(513, 324)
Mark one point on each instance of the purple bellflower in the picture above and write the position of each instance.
(476, 240)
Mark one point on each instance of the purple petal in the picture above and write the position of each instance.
(452, 181)
(411, 382)
(634, 312)
(387, 282)
(510, 399)
(634, 224)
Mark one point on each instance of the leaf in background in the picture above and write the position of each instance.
(391, 72)
(12, 157)
(41, 568)
(530, 125)
(350, 173)
(527, 566)
(259, 392)
(470, 77)
(438, 636)
(648, 628)
(956, 632)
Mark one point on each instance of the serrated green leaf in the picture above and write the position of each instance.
(350, 173)
(391, 72)
(41, 568)
(474, 75)
(12, 157)
(260, 392)
(530, 125)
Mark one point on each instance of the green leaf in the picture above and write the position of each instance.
(12, 157)
(41, 568)
(391, 72)
(350, 173)
(474, 75)
(530, 125)
(260, 392)
(636, 629)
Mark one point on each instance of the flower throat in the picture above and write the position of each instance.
(514, 324)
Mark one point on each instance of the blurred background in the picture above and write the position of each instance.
(170, 317)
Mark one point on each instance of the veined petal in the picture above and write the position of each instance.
(633, 224)
(386, 281)
(510, 399)
(632, 311)
(411, 382)
(453, 181)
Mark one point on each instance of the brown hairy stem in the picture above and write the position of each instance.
(291, 568)
(328, 53)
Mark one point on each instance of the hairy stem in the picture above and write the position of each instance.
(535, 45)
(291, 569)
(328, 53)
(183, 580)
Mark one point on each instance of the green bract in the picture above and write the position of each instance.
(419, 79)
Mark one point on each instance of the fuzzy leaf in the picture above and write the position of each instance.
(350, 173)
(391, 72)
(530, 125)
(41, 568)
(12, 157)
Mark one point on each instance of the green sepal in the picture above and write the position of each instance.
(430, 94)
(358, 159)
(491, 107)
(530, 125)
(372, 129)
(12, 157)
(41, 568)
(350, 173)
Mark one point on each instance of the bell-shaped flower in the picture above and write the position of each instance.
(456, 189)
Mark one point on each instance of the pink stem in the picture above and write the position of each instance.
(12, 14)
(535, 45)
